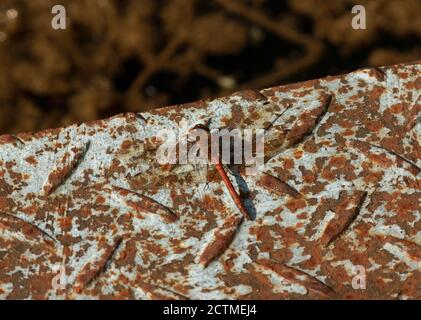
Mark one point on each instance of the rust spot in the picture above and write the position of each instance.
(345, 213)
(296, 204)
(64, 168)
(92, 269)
(222, 238)
(297, 276)
(278, 186)
(143, 204)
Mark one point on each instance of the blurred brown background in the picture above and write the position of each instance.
(128, 55)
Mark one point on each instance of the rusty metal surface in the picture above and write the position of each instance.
(87, 212)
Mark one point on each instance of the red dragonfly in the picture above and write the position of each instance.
(158, 175)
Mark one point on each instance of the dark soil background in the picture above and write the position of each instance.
(133, 55)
